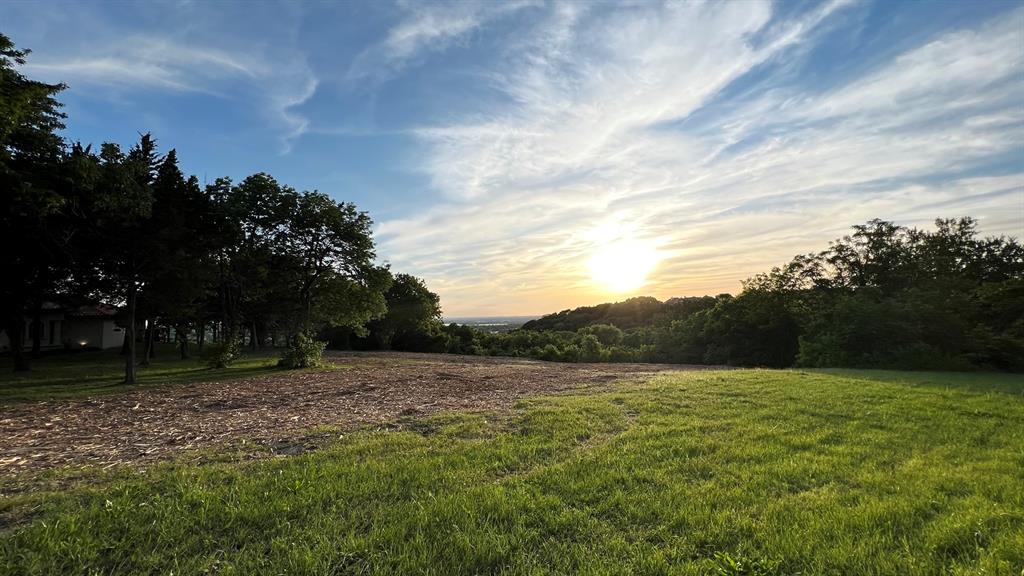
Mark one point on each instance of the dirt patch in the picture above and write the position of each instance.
(154, 424)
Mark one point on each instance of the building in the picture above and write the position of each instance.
(92, 326)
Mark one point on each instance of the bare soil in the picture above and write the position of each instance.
(275, 410)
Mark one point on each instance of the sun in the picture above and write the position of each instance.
(623, 265)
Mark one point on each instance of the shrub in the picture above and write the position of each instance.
(606, 334)
(303, 352)
(590, 349)
(570, 353)
(623, 354)
(550, 353)
(221, 354)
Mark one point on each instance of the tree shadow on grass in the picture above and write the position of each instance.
(976, 382)
(103, 374)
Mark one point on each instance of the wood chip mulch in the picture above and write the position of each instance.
(147, 425)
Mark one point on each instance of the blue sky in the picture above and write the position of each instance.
(500, 146)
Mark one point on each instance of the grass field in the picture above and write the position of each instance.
(731, 472)
(91, 373)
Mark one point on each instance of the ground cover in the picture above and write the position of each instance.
(182, 407)
(700, 472)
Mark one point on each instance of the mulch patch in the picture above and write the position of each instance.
(147, 425)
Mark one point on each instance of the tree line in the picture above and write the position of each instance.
(254, 261)
(885, 296)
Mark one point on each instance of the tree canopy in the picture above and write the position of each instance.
(256, 258)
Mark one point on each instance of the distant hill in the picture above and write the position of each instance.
(628, 314)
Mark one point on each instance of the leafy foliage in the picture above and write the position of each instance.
(630, 313)
(221, 354)
(303, 352)
(411, 308)
(32, 207)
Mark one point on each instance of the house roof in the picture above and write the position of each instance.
(91, 311)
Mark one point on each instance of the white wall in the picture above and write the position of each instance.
(113, 336)
(84, 332)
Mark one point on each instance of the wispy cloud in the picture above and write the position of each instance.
(150, 63)
(603, 127)
(426, 27)
(277, 81)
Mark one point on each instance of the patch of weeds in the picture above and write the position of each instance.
(727, 564)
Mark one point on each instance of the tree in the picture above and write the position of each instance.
(249, 223)
(122, 251)
(30, 154)
(606, 334)
(330, 248)
(411, 307)
(176, 285)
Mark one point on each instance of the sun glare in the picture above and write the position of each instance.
(623, 266)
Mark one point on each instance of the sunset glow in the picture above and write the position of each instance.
(623, 266)
(510, 154)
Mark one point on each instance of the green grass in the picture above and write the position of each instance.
(81, 374)
(733, 472)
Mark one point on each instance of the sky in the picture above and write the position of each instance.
(524, 157)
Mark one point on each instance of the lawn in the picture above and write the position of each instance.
(58, 376)
(721, 472)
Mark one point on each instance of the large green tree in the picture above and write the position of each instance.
(32, 247)
(331, 254)
(121, 251)
(177, 285)
(411, 308)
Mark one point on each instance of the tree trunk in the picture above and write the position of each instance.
(147, 339)
(230, 335)
(151, 341)
(253, 340)
(182, 335)
(201, 336)
(129, 362)
(261, 335)
(37, 327)
(16, 335)
(384, 339)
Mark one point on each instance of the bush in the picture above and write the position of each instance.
(623, 354)
(549, 352)
(590, 349)
(221, 354)
(606, 334)
(303, 352)
(570, 353)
